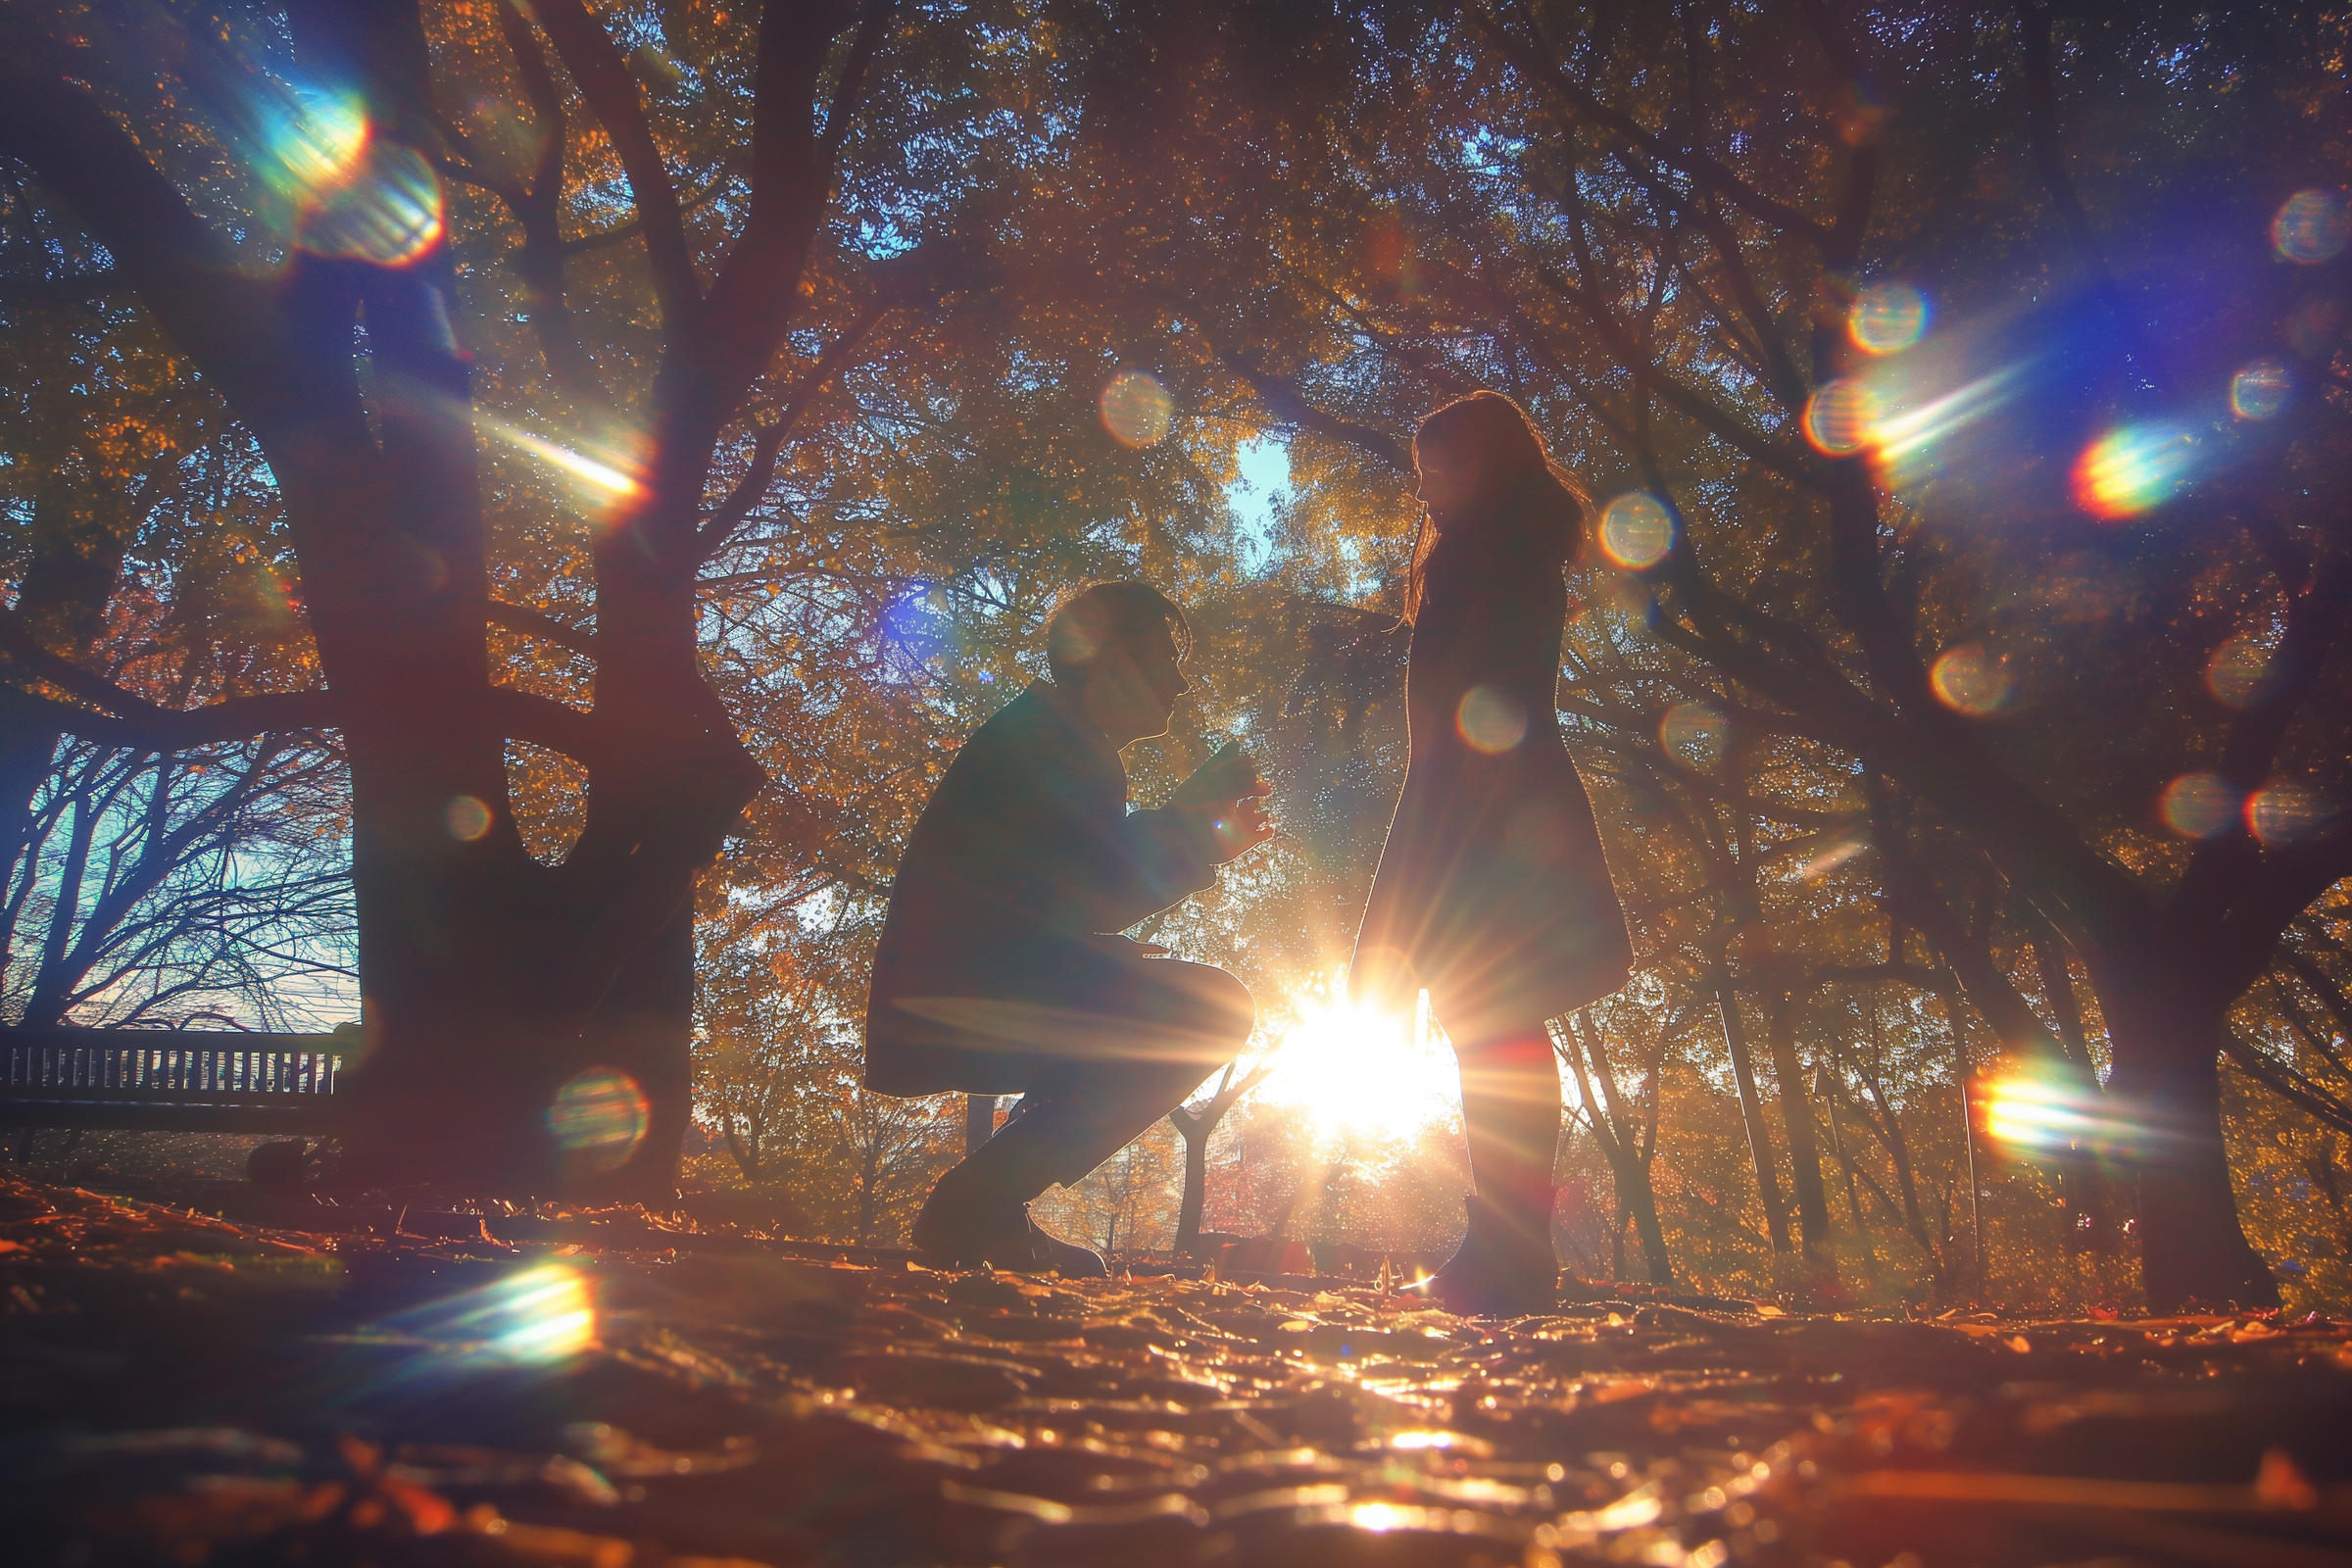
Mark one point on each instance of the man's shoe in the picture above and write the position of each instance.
(1502, 1269)
(1068, 1259)
(1001, 1239)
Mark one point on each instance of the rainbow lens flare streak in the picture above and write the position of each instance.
(533, 1318)
(2129, 470)
(354, 195)
(313, 141)
(1903, 445)
(613, 481)
(2040, 1114)
(598, 1119)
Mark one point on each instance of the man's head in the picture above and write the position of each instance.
(1115, 647)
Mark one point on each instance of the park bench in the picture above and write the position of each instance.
(172, 1080)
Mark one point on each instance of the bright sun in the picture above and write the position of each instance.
(1352, 1069)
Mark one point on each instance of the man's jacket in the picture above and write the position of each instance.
(1026, 852)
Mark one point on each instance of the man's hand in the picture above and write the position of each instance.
(1223, 796)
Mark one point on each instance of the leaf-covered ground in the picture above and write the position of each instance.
(181, 1389)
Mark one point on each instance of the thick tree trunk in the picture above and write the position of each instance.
(490, 983)
(2168, 1077)
(2092, 1206)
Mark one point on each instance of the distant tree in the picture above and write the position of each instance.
(893, 1149)
(1626, 1129)
(1195, 1122)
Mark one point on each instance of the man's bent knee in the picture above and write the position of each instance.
(1222, 1006)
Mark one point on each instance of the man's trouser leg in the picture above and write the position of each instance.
(1079, 1110)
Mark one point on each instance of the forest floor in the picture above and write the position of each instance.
(176, 1389)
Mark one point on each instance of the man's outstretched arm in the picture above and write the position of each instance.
(1174, 851)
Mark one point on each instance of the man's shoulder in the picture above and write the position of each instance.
(1017, 730)
(1030, 740)
(1034, 728)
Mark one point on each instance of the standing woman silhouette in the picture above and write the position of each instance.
(1491, 892)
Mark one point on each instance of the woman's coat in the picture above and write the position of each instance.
(1491, 891)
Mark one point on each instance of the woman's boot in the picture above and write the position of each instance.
(1511, 1113)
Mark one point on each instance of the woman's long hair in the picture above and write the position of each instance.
(1495, 432)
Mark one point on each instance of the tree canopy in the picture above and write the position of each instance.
(587, 467)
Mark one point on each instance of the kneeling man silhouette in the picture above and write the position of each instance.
(1000, 970)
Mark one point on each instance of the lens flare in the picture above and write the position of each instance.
(1888, 317)
(598, 1119)
(1840, 418)
(2259, 390)
(356, 196)
(1695, 734)
(2047, 1114)
(313, 143)
(1831, 853)
(2197, 806)
(1136, 409)
(387, 211)
(657, 67)
(1968, 679)
(465, 818)
(2239, 671)
(537, 1318)
(2284, 811)
(1906, 443)
(2312, 227)
(1636, 531)
(1490, 720)
(2127, 470)
(613, 480)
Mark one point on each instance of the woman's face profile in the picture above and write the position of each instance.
(1446, 488)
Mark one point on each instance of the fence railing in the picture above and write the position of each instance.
(157, 1078)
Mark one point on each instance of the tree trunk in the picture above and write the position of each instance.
(1751, 1112)
(1642, 1200)
(1196, 1189)
(2090, 1224)
(1623, 1145)
(1826, 1087)
(2167, 1078)
(1796, 1120)
(1889, 1129)
(869, 1203)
